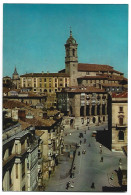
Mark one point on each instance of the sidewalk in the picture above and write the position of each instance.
(113, 179)
(61, 173)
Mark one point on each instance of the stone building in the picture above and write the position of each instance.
(20, 162)
(86, 74)
(51, 134)
(28, 98)
(118, 120)
(16, 79)
(84, 105)
(45, 83)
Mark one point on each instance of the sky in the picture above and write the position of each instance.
(34, 36)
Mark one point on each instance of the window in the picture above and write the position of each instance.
(49, 84)
(61, 79)
(55, 84)
(49, 79)
(45, 85)
(45, 80)
(40, 80)
(16, 171)
(50, 90)
(23, 168)
(121, 135)
(73, 52)
(40, 85)
(120, 121)
(55, 79)
(120, 109)
(34, 85)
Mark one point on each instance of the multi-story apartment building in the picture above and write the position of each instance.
(20, 162)
(51, 134)
(28, 98)
(45, 83)
(88, 104)
(118, 120)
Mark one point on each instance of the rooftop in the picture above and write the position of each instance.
(81, 89)
(45, 75)
(10, 104)
(93, 67)
(120, 95)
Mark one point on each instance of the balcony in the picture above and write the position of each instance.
(121, 126)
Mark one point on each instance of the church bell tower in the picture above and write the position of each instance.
(71, 59)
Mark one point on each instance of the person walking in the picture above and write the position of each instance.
(68, 185)
(93, 185)
(101, 159)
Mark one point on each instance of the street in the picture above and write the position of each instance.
(90, 173)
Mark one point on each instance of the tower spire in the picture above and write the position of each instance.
(70, 32)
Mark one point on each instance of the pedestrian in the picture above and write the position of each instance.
(100, 146)
(84, 140)
(68, 185)
(80, 142)
(89, 145)
(112, 176)
(85, 131)
(93, 185)
(101, 159)
(74, 167)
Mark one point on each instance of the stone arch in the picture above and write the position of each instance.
(93, 119)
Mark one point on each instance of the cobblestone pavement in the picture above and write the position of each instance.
(89, 168)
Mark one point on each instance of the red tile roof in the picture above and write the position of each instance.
(94, 77)
(45, 75)
(111, 85)
(96, 67)
(84, 89)
(93, 67)
(13, 104)
(120, 95)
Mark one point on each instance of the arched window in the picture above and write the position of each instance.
(82, 111)
(121, 121)
(93, 110)
(73, 52)
(121, 135)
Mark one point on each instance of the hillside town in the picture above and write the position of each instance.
(65, 131)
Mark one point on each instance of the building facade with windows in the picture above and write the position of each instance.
(20, 171)
(119, 120)
(85, 105)
(45, 83)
